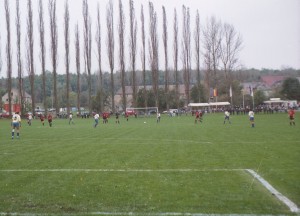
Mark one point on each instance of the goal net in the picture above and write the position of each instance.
(142, 111)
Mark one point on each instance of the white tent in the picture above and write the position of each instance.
(219, 104)
(198, 104)
(208, 104)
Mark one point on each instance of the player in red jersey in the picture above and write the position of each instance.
(50, 119)
(197, 118)
(42, 118)
(292, 117)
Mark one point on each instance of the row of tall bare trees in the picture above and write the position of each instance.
(218, 44)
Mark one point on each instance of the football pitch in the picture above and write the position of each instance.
(141, 167)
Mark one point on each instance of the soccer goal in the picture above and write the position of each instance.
(142, 111)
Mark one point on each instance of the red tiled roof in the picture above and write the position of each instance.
(271, 80)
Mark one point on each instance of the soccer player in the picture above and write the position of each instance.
(200, 116)
(158, 117)
(227, 114)
(197, 118)
(126, 116)
(49, 119)
(105, 116)
(42, 118)
(292, 116)
(117, 118)
(71, 119)
(96, 118)
(15, 125)
(251, 117)
(29, 119)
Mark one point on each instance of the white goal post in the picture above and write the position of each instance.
(142, 111)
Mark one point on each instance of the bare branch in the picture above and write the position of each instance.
(19, 60)
(197, 46)
(186, 51)
(110, 46)
(175, 56)
(230, 47)
(121, 27)
(8, 55)
(42, 51)
(132, 44)
(98, 41)
(67, 57)
(143, 53)
(77, 50)
(31, 53)
(165, 42)
(54, 38)
(87, 47)
(153, 50)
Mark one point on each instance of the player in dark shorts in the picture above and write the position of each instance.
(42, 118)
(50, 119)
(117, 118)
(104, 117)
(197, 118)
(200, 116)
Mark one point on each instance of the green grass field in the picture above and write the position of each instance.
(175, 167)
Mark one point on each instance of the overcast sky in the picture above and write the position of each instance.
(270, 29)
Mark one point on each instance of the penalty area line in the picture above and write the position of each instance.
(132, 214)
(121, 170)
(292, 206)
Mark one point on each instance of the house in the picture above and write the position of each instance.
(129, 92)
(272, 81)
(15, 100)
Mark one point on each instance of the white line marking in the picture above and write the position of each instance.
(120, 170)
(293, 207)
(164, 140)
(132, 214)
(142, 141)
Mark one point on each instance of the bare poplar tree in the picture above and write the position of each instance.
(0, 56)
(153, 50)
(87, 48)
(208, 70)
(31, 53)
(42, 51)
(197, 50)
(143, 54)
(175, 56)
(77, 50)
(98, 41)
(132, 44)
(19, 59)
(122, 53)
(54, 38)
(230, 47)
(111, 47)
(212, 47)
(186, 51)
(165, 41)
(67, 56)
(8, 55)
